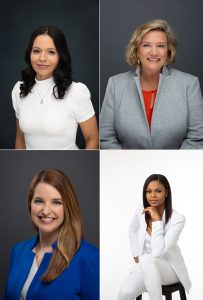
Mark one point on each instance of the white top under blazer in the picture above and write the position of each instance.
(52, 124)
(164, 240)
(33, 271)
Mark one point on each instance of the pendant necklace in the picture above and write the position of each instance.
(42, 97)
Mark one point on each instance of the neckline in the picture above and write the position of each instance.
(150, 91)
(148, 234)
(44, 82)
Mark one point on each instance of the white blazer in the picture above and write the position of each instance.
(164, 240)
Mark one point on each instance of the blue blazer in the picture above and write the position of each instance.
(79, 281)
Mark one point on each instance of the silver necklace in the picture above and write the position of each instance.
(42, 97)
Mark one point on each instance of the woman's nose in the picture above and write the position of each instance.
(154, 50)
(42, 56)
(153, 194)
(46, 209)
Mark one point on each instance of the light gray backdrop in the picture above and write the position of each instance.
(16, 172)
(119, 18)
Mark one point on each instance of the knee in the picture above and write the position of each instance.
(124, 294)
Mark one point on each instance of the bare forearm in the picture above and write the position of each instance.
(92, 144)
(20, 144)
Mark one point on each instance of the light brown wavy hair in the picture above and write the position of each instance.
(138, 34)
(71, 230)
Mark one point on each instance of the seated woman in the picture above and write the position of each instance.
(153, 237)
(58, 263)
(48, 104)
(152, 106)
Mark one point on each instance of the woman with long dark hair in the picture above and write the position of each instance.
(58, 263)
(48, 104)
(153, 237)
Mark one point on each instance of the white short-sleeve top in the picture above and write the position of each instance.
(53, 123)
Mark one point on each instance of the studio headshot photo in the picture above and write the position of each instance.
(156, 101)
(150, 225)
(51, 246)
(50, 88)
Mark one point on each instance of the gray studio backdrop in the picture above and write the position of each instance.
(79, 20)
(16, 172)
(119, 18)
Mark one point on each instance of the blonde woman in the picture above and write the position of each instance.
(153, 106)
(58, 263)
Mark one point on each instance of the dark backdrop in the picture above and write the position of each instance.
(79, 20)
(16, 172)
(119, 19)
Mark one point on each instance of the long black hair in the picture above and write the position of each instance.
(168, 201)
(62, 75)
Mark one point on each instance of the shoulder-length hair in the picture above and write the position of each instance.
(168, 201)
(138, 34)
(62, 75)
(71, 230)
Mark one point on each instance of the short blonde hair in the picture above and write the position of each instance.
(160, 25)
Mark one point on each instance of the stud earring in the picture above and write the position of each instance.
(138, 61)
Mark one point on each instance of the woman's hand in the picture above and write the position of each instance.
(152, 211)
(90, 132)
(136, 259)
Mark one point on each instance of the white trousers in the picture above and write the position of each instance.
(148, 275)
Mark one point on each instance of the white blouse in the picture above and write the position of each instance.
(29, 279)
(50, 123)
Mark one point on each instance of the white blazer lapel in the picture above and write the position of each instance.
(166, 226)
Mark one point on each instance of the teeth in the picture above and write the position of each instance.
(47, 219)
(153, 59)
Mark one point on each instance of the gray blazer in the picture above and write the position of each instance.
(177, 120)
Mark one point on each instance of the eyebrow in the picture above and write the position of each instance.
(152, 42)
(40, 198)
(149, 189)
(46, 48)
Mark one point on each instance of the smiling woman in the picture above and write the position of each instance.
(58, 263)
(47, 210)
(44, 57)
(49, 106)
(153, 106)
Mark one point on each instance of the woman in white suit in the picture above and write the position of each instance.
(153, 238)
(153, 106)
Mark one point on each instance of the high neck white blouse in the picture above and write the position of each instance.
(52, 124)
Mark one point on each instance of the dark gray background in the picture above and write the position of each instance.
(119, 18)
(16, 172)
(79, 20)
